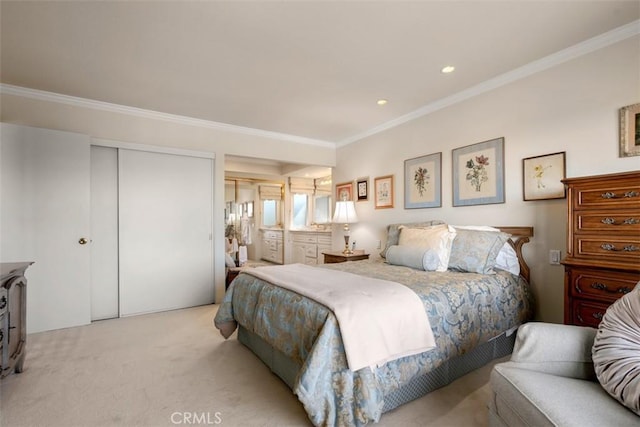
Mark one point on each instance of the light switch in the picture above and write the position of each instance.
(554, 256)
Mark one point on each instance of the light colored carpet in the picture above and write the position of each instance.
(174, 368)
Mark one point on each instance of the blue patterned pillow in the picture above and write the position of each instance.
(475, 251)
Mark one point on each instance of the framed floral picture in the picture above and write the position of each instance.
(630, 130)
(362, 189)
(422, 182)
(542, 177)
(478, 173)
(383, 186)
(344, 191)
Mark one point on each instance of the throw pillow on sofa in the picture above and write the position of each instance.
(616, 350)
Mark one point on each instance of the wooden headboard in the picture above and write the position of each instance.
(519, 236)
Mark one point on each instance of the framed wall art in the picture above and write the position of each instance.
(422, 182)
(344, 191)
(478, 173)
(630, 130)
(383, 187)
(542, 177)
(362, 189)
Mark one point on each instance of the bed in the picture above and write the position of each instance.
(473, 316)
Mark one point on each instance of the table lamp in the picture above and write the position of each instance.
(345, 214)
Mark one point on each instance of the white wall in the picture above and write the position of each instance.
(572, 107)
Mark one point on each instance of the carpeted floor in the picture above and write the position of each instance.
(174, 368)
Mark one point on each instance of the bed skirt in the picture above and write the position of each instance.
(449, 371)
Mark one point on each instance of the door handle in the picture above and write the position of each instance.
(83, 241)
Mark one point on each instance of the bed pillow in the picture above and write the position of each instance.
(437, 238)
(616, 350)
(475, 251)
(393, 232)
(413, 256)
(507, 258)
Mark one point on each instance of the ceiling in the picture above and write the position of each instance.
(309, 69)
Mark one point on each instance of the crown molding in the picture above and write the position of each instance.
(41, 95)
(590, 45)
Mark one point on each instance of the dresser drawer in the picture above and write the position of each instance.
(618, 248)
(277, 235)
(602, 285)
(615, 221)
(619, 193)
(587, 313)
(304, 238)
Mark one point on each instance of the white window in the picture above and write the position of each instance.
(300, 210)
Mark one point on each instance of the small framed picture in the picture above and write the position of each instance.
(344, 191)
(542, 177)
(478, 173)
(422, 183)
(362, 189)
(383, 192)
(630, 130)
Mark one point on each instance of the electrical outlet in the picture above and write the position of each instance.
(554, 256)
(378, 244)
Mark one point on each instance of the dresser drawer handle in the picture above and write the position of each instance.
(598, 315)
(612, 195)
(603, 287)
(612, 248)
(612, 221)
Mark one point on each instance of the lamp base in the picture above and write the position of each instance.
(346, 250)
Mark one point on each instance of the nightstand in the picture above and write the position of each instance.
(332, 257)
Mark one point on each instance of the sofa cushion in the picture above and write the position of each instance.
(616, 351)
(527, 398)
(556, 349)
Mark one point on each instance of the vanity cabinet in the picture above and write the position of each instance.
(272, 246)
(603, 244)
(13, 316)
(307, 247)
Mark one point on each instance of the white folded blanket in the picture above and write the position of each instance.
(379, 320)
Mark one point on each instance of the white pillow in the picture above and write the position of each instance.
(437, 238)
(507, 258)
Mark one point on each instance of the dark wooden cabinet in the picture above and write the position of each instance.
(603, 244)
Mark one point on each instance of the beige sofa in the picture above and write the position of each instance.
(550, 381)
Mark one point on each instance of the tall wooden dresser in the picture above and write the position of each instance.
(603, 245)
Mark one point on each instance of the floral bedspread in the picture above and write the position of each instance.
(464, 309)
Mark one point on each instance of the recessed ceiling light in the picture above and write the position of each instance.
(382, 101)
(448, 69)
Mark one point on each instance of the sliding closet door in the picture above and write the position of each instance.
(165, 222)
(104, 233)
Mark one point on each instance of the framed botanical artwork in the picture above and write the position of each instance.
(542, 177)
(383, 187)
(344, 191)
(630, 130)
(362, 189)
(478, 173)
(422, 182)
